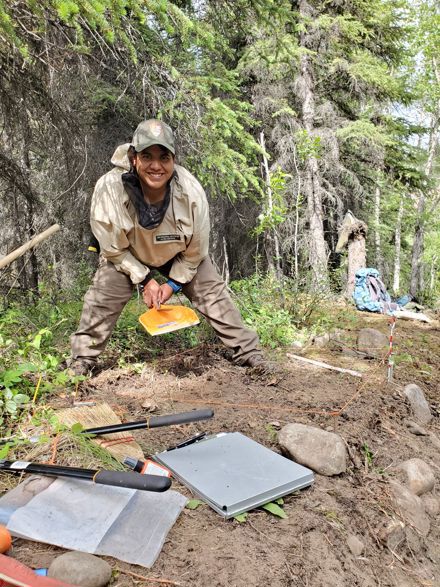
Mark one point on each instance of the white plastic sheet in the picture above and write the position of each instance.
(123, 523)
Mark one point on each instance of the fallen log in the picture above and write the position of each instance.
(8, 259)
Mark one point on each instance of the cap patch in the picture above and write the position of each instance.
(156, 128)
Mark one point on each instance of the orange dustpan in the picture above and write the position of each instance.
(168, 319)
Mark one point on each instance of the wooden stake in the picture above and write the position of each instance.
(324, 365)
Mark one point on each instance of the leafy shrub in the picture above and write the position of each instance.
(12, 384)
(284, 311)
(28, 365)
(262, 305)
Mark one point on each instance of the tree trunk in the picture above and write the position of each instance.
(296, 229)
(416, 285)
(312, 180)
(433, 273)
(417, 250)
(357, 258)
(377, 243)
(272, 244)
(397, 238)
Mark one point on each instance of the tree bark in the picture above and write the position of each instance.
(433, 273)
(377, 242)
(357, 258)
(416, 284)
(296, 229)
(397, 238)
(312, 181)
(419, 236)
(272, 244)
(417, 249)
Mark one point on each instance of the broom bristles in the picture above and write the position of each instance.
(119, 444)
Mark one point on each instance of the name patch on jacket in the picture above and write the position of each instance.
(165, 238)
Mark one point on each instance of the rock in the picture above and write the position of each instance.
(410, 508)
(297, 344)
(419, 476)
(431, 504)
(356, 546)
(321, 341)
(149, 405)
(324, 452)
(372, 342)
(393, 535)
(419, 405)
(80, 568)
(275, 424)
(414, 428)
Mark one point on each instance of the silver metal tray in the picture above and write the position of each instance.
(233, 473)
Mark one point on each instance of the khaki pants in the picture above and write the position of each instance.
(111, 290)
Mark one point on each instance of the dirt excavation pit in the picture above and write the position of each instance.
(194, 361)
(345, 530)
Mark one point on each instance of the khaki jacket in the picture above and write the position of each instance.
(183, 234)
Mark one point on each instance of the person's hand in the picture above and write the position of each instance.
(152, 294)
(166, 291)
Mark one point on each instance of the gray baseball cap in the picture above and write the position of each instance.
(153, 132)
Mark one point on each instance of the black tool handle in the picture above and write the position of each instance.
(183, 418)
(43, 469)
(154, 422)
(132, 480)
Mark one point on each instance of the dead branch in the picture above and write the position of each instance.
(29, 245)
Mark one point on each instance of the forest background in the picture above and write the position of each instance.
(289, 113)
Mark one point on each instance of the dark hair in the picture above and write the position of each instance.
(131, 152)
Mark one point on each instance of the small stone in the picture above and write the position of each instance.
(321, 341)
(372, 342)
(419, 476)
(297, 344)
(431, 504)
(149, 405)
(80, 568)
(410, 507)
(414, 428)
(356, 546)
(419, 405)
(324, 452)
(393, 534)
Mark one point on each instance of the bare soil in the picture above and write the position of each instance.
(309, 548)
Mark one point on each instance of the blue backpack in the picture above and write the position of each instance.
(370, 293)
